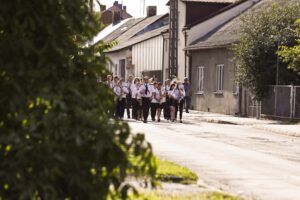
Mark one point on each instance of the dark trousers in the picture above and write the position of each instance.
(134, 108)
(187, 102)
(180, 108)
(146, 107)
(167, 114)
(154, 107)
(120, 109)
(128, 104)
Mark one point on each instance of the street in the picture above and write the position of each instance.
(242, 160)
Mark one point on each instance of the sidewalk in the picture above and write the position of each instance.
(263, 124)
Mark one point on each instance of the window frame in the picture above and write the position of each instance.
(200, 78)
(219, 79)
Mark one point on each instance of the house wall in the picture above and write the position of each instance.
(114, 62)
(148, 56)
(228, 101)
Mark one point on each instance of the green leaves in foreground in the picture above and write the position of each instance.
(57, 136)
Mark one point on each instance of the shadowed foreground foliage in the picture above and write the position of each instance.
(57, 136)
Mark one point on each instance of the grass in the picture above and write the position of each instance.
(171, 172)
(207, 196)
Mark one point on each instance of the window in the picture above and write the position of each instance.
(219, 79)
(200, 78)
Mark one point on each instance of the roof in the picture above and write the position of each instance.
(138, 27)
(211, 1)
(140, 38)
(124, 14)
(221, 37)
(208, 1)
(234, 4)
(225, 35)
(123, 26)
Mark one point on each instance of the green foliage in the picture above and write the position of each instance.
(291, 55)
(171, 172)
(262, 31)
(57, 136)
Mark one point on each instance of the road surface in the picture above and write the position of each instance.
(238, 159)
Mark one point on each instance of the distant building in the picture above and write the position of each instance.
(140, 48)
(114, 14)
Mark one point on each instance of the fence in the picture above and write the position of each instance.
(282, 101)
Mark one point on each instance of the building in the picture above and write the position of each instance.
(114, 14)
(184, 13)
(139, 45)
(212, 68)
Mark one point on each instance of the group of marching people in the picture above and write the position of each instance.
(144, 95)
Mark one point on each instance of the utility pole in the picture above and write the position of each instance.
(173, 39)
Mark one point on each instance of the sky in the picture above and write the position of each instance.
(134, 6)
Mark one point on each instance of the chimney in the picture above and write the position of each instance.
(124, 8)
(102, 8)
(116, 3)
(116, 17)
(151, 11)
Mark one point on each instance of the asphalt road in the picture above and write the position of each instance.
(238, 159)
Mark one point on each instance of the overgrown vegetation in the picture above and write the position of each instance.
(57, 136)
(262, 32)
(171, 172)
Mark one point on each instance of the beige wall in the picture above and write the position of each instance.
(226, 103)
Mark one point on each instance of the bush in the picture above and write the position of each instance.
(57, 136)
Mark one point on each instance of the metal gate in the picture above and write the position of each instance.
(282, 101)
(296, 102)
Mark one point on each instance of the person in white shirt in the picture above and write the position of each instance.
(120, 91)
(154, 100)
(162, 99)
(109, 81)
(173, 99)
(180, 88)
(145, 91)
(129, 82)
(134, 94)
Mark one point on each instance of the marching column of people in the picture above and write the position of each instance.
(144, 95)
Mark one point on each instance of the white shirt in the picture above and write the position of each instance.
(117, 90)
(134, 91)
(163, 93)
(155, 96)
(125, 91)
(142, 90)
(174, 94)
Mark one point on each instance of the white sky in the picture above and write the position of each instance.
(134, 6)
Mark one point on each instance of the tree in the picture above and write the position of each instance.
(263, 29)
(291, 55)
(58, 139)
